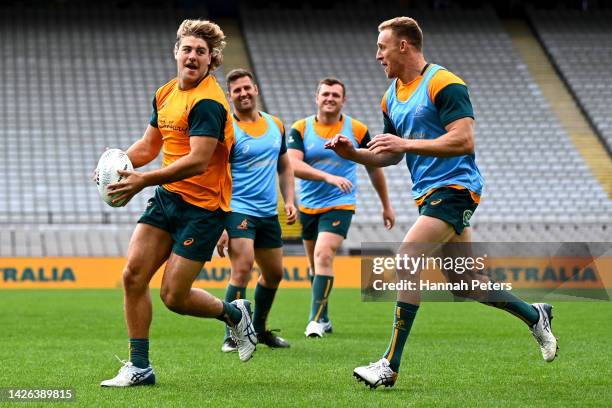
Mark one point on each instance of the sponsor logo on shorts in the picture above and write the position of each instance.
(243, 225)
(467, 214)
(336, 223)
(436, 202)
(188, 241)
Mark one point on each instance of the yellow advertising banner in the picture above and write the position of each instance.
(66, 273)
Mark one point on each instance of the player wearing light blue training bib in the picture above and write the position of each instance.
(254, 161)
(428, 119)
(253, 231)
(328, 191)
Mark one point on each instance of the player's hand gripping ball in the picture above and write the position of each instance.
(106, 173)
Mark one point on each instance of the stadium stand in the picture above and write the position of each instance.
(533, 173)
(77, 79)
(580, 44)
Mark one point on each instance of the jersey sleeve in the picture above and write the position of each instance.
(296, 136)
(383, 103)
(153, 120)
(362, 135)
(283, 147)
(450, 95)
(388, 126)
(453, 102)
(365, 140)
(207, 118)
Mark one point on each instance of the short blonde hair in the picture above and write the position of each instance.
(406, 28)
(207, 31)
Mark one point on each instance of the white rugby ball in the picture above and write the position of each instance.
(106, 172)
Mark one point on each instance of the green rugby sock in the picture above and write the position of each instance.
(139, 352)
(505, 300)
(230, 315)
(324, 317)
(232, 293)
(404, 317)
(321, 288)
(263, 303)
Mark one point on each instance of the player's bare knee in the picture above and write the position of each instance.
(325, 257)
(173, 301)
(271, 279)
(409, 276)
(240, 277)
(134, 278)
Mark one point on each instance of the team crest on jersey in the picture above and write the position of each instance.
(243, 225)
(418, 111)
(467, 214)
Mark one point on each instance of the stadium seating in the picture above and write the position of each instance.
(580, 44)
(78, 79)
(533, 173)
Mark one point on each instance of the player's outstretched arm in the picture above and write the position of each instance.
(377, 178)
(194, 163)
(305, 171)
(145, 149)
(287, 187)
(457, 141)
(345, 149)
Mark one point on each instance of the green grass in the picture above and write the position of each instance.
(460, 354)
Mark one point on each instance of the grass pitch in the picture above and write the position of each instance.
(459, 354)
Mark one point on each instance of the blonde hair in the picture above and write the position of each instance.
(406, 28)
(207, 31)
